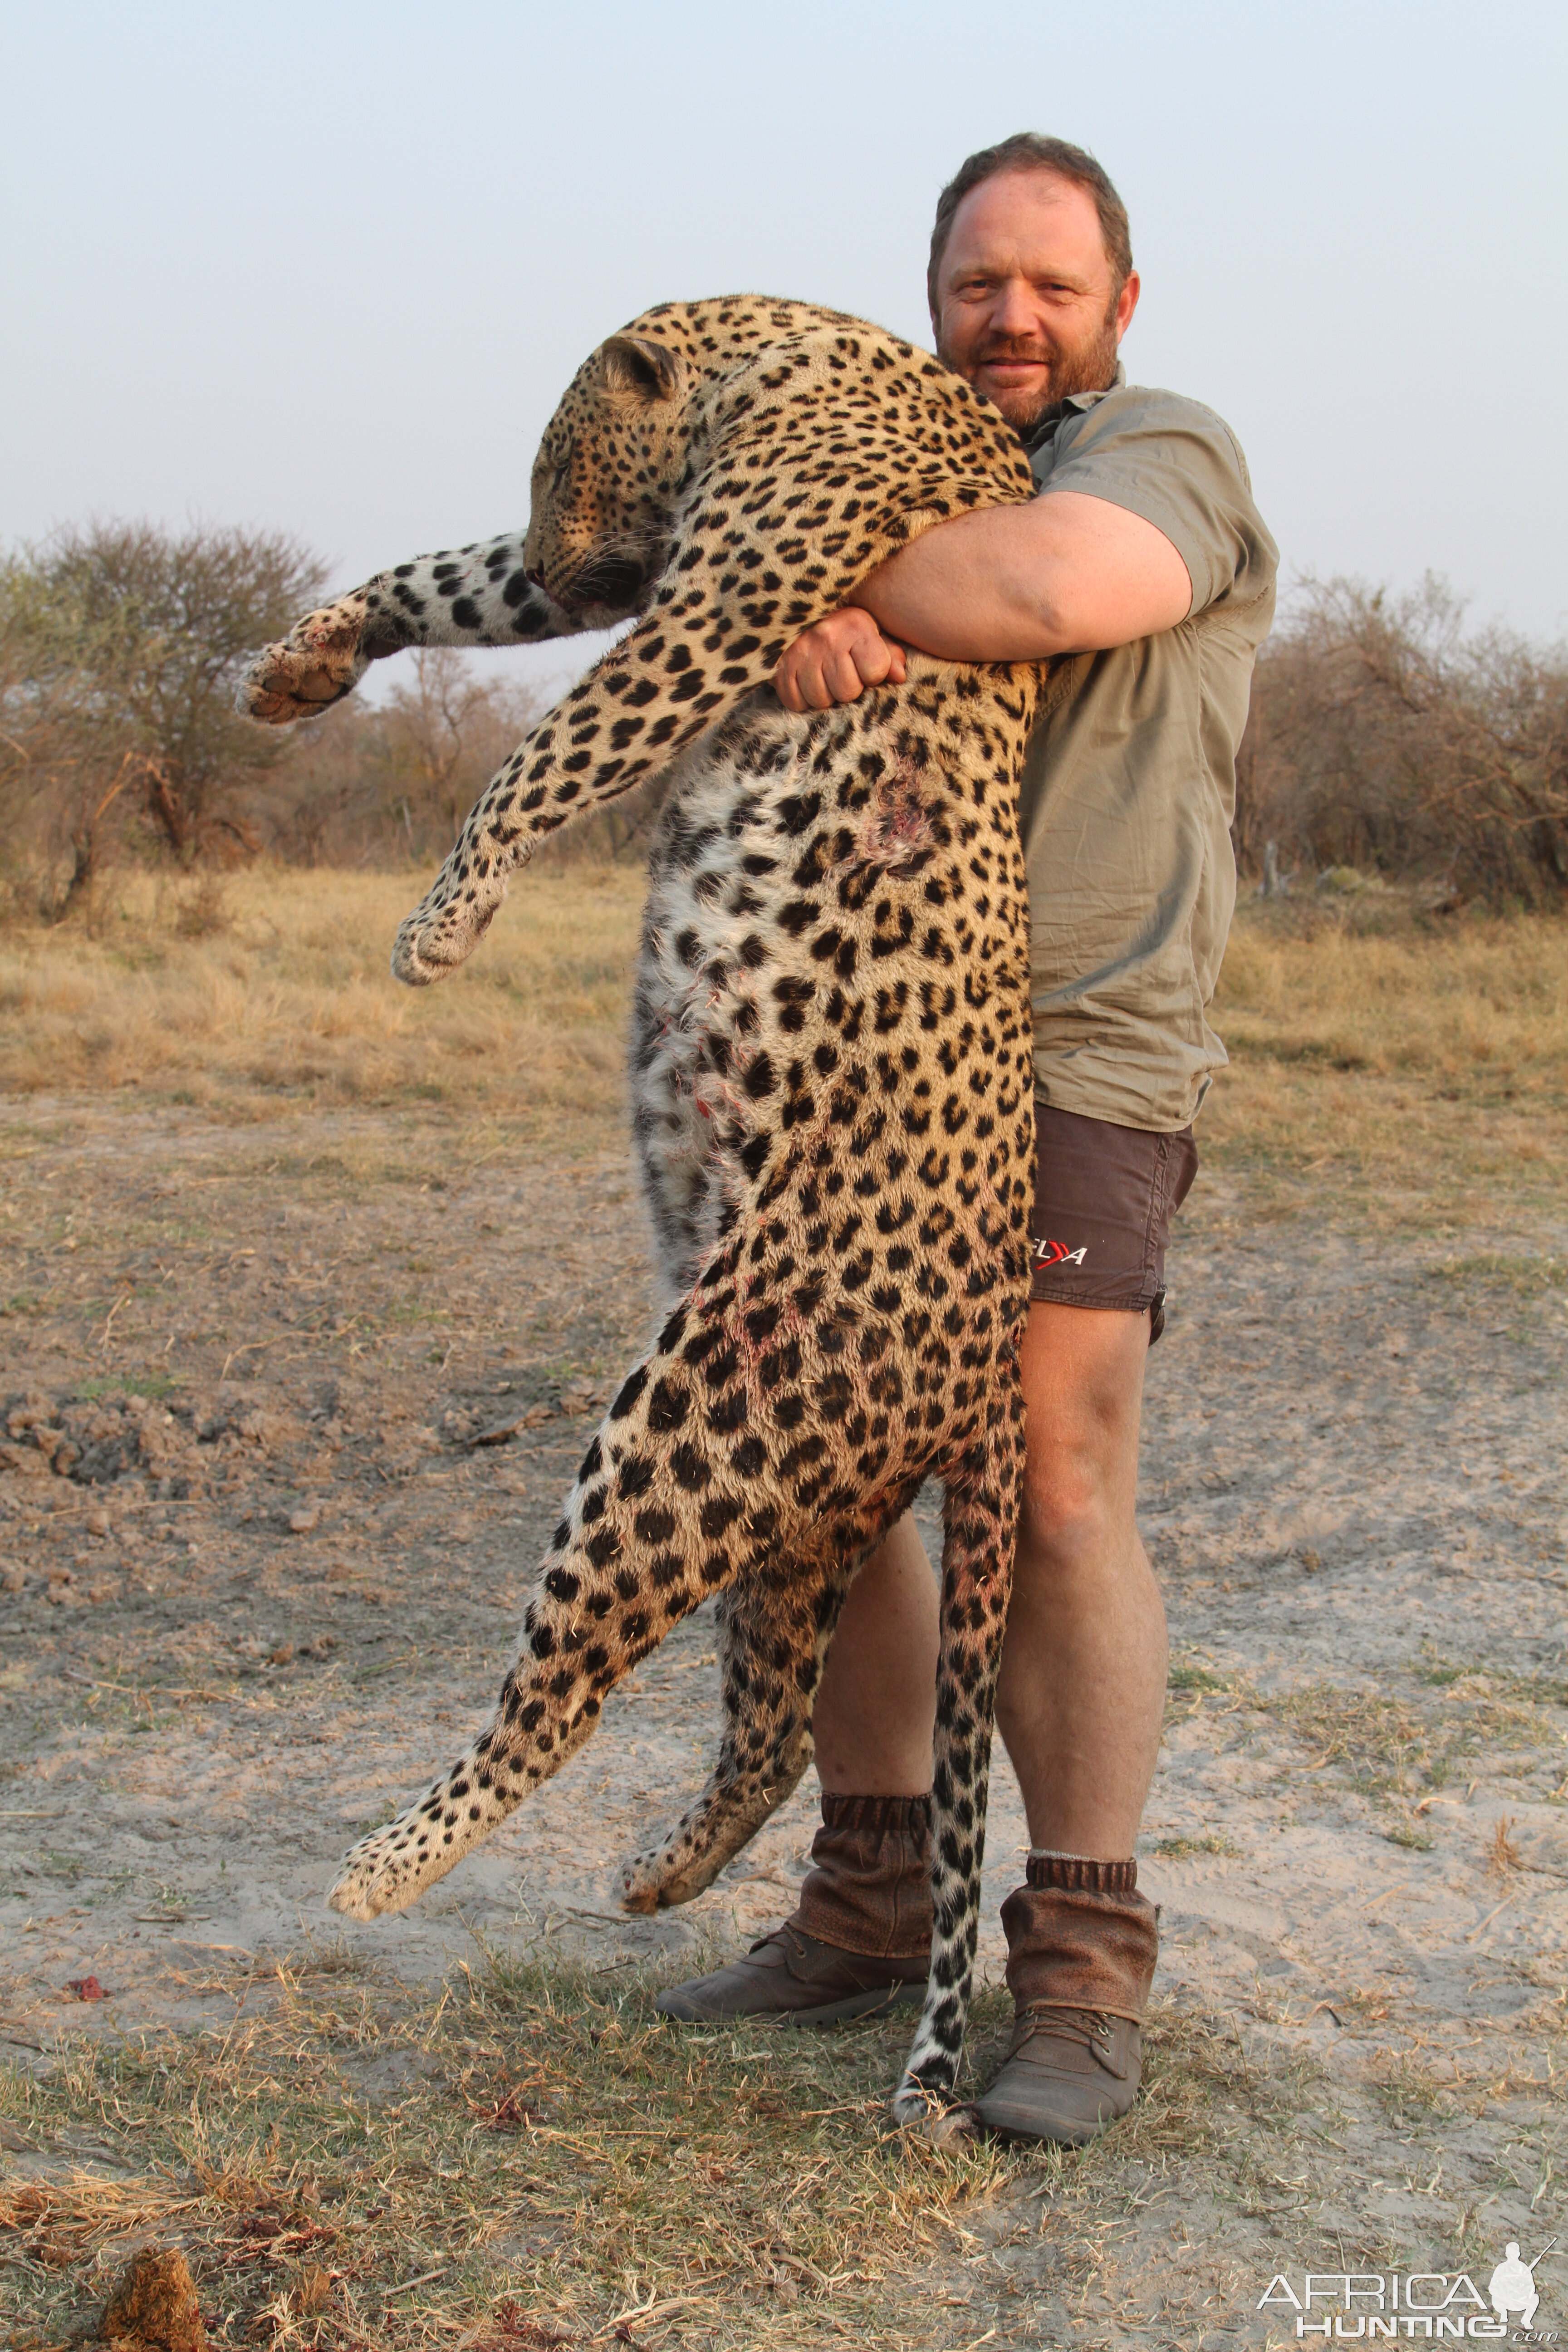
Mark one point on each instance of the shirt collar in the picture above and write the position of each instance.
(1040, 432)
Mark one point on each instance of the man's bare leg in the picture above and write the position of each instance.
(1082, 1689)
(876, 1709)
(1080, 1704)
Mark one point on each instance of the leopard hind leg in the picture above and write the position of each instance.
(679, 1495)
(774, 1628)
(980, 1532)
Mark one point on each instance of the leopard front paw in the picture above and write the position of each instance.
(306, 672)
(683, 1866)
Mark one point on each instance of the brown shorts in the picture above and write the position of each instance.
(1104, 1197)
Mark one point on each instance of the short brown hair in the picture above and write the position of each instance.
(1029, 151)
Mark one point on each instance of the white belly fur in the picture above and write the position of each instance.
(696, 1012)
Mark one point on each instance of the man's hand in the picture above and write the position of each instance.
(836, 660)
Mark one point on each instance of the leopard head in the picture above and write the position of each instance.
(606, 474)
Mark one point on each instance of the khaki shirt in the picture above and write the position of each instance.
(1129, 780)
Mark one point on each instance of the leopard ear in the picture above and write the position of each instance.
(634, 363)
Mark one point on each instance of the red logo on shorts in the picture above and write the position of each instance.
(1059, 1254)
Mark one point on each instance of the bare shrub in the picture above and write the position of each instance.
(120, 644)
(1382, 737)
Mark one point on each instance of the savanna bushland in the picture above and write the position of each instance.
(310, 1291)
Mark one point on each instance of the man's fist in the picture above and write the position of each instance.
(836, 660)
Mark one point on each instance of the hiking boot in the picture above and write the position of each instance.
(1067, 2075)
(1081, 1947)
(800, 1982)
(859, 1940)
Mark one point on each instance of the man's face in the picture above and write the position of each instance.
(1024, 306)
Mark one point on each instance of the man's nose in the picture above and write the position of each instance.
(1013, 308)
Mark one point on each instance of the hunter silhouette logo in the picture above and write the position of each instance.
(1059, 1254)
(1512, 2285)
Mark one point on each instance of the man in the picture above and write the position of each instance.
(1146, 562)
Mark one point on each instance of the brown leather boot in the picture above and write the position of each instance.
(860, 1940)
(1081, 1947)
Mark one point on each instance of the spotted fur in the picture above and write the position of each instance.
(832, 1067)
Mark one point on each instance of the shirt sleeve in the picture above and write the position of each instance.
(1177, 465)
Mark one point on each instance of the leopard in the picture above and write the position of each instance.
(832, 1072)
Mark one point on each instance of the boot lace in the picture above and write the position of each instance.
(1091, 2029)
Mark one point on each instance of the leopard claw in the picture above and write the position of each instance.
(640, 1889)
(392, 1868)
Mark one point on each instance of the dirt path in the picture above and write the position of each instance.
(269, 1585)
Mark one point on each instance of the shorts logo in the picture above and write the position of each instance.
(1059, 1254)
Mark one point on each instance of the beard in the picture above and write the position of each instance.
(1088, 366)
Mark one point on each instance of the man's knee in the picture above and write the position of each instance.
(1069, 1507)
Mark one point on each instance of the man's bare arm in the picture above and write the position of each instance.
(1066, 574)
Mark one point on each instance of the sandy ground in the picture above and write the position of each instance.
(255, 1585)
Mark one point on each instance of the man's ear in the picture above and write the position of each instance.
(634, 363)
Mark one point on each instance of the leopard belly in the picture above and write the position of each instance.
(718, 875)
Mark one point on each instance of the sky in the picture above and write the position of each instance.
(329, 268)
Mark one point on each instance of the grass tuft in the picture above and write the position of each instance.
(1184, 1675)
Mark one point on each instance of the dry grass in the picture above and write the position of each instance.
(534, 2156)
(281, 989)
(540, 2151)
(1382, 1068)
(1388, 1069)
(1486, 997)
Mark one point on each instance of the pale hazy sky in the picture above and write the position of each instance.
(329, 266)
